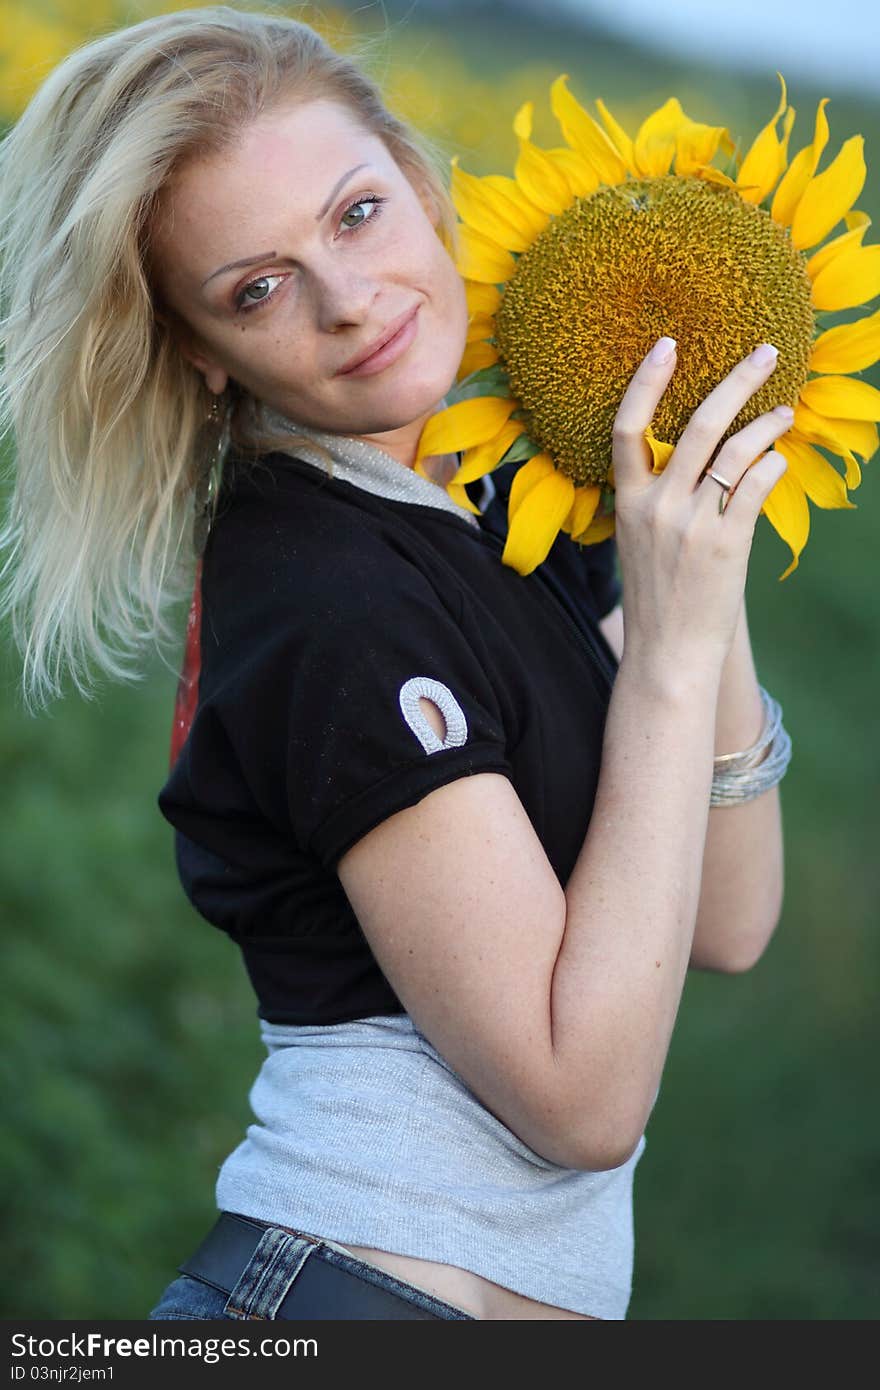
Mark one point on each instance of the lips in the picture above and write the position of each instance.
(391, 331)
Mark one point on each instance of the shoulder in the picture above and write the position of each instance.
(283, 543)
(275, 508)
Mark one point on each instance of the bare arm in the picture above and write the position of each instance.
(743, 860)
(555, 1007)
(632, 901)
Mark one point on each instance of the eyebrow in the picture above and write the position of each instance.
(240, 265)
(269, 255)
(336, 188)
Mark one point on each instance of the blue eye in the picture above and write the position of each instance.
(369, 200)
(245, 305)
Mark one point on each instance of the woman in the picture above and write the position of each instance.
(462, 838)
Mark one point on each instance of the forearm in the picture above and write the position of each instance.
(632, 898)
(742, 882)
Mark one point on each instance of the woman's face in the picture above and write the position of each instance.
(341, 250)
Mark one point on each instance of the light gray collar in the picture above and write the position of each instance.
(370, 468)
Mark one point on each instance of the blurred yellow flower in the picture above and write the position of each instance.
(595, 249)
(36, 34)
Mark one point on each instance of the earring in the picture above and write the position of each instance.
(211, 445)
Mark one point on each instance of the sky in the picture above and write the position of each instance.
(836, 42)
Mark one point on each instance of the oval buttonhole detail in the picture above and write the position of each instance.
(443, 698)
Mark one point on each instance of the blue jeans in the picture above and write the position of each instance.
(267, 1278)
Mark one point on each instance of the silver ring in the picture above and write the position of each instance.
(723, 481)
(726, 489)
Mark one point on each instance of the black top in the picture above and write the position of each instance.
(320, 603)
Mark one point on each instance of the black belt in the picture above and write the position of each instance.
(322, 1289)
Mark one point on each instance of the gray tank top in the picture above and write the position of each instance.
(365, 1135)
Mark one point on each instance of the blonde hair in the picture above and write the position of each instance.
(102, 409)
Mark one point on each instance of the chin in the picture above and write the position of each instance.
(401, 403)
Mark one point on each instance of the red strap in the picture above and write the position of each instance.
(187, 696)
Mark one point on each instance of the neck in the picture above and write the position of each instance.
(402, 444)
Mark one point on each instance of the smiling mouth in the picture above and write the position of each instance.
(389, 347)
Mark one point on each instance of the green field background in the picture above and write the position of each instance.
(129, 1031)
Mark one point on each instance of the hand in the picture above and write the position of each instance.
(684, 561)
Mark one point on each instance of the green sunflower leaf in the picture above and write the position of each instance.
(487, 381)
(522, 449)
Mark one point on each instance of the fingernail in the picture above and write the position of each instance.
(785, 412)
(662, 350)
(764, 355)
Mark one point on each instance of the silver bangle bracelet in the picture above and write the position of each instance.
(742, 776)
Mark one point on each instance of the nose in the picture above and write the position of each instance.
(343, 297)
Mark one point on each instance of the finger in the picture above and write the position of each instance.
(744, 505)
(630, 455)
(739, 453)
(714, 416)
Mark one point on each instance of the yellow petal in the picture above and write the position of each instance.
(858, 223)
(696, 146)
(705, 171)
(531, 473)
(859, 435)
(530, 216)
(585, 135)
(834, 446)
(480, 259)
(583, 509)
(800, 171)
(480, 326)
(842, 437)
(582, 178)
(598, 530)
(660, 451)
(482, 458)
(491, 211)
(820, 481)
(482, 299)
(475, 356)
(853, 471)
(522, 121)
(842, 397)
(537, 521)
(849, 280)
(788, 513)
(829, 195)
(464, 424)
(618, 137)
(765, 161)
(851, 347)
(458, 494)
(539, 174)
(655, 141)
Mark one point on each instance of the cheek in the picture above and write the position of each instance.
(448, 288)
(456, 309)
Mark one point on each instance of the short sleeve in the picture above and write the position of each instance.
(338, 740)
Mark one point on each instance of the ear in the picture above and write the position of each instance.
(216, 378)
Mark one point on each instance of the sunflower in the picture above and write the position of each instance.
(574, 268)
